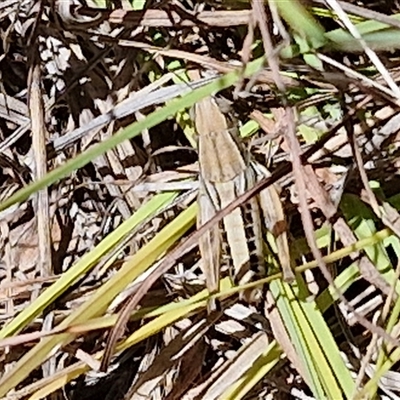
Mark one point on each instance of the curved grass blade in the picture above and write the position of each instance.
(165, 316)
(84, 265)
(99, 302)
(302, 21)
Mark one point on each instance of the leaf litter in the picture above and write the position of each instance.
(99, 71)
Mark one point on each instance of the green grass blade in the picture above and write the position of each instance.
(98, 303)
(326, 373)
(84, 265)
(302, 21)
(261, 367)
(131, 131)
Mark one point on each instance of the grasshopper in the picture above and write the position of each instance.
(227, 171)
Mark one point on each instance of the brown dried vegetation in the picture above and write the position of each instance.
(113, 213)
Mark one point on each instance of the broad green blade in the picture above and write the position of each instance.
(326, 372)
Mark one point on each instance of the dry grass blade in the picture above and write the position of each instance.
(96, 304)
(95, 123)
(178, 354)
(156, 18)
(236, 369)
